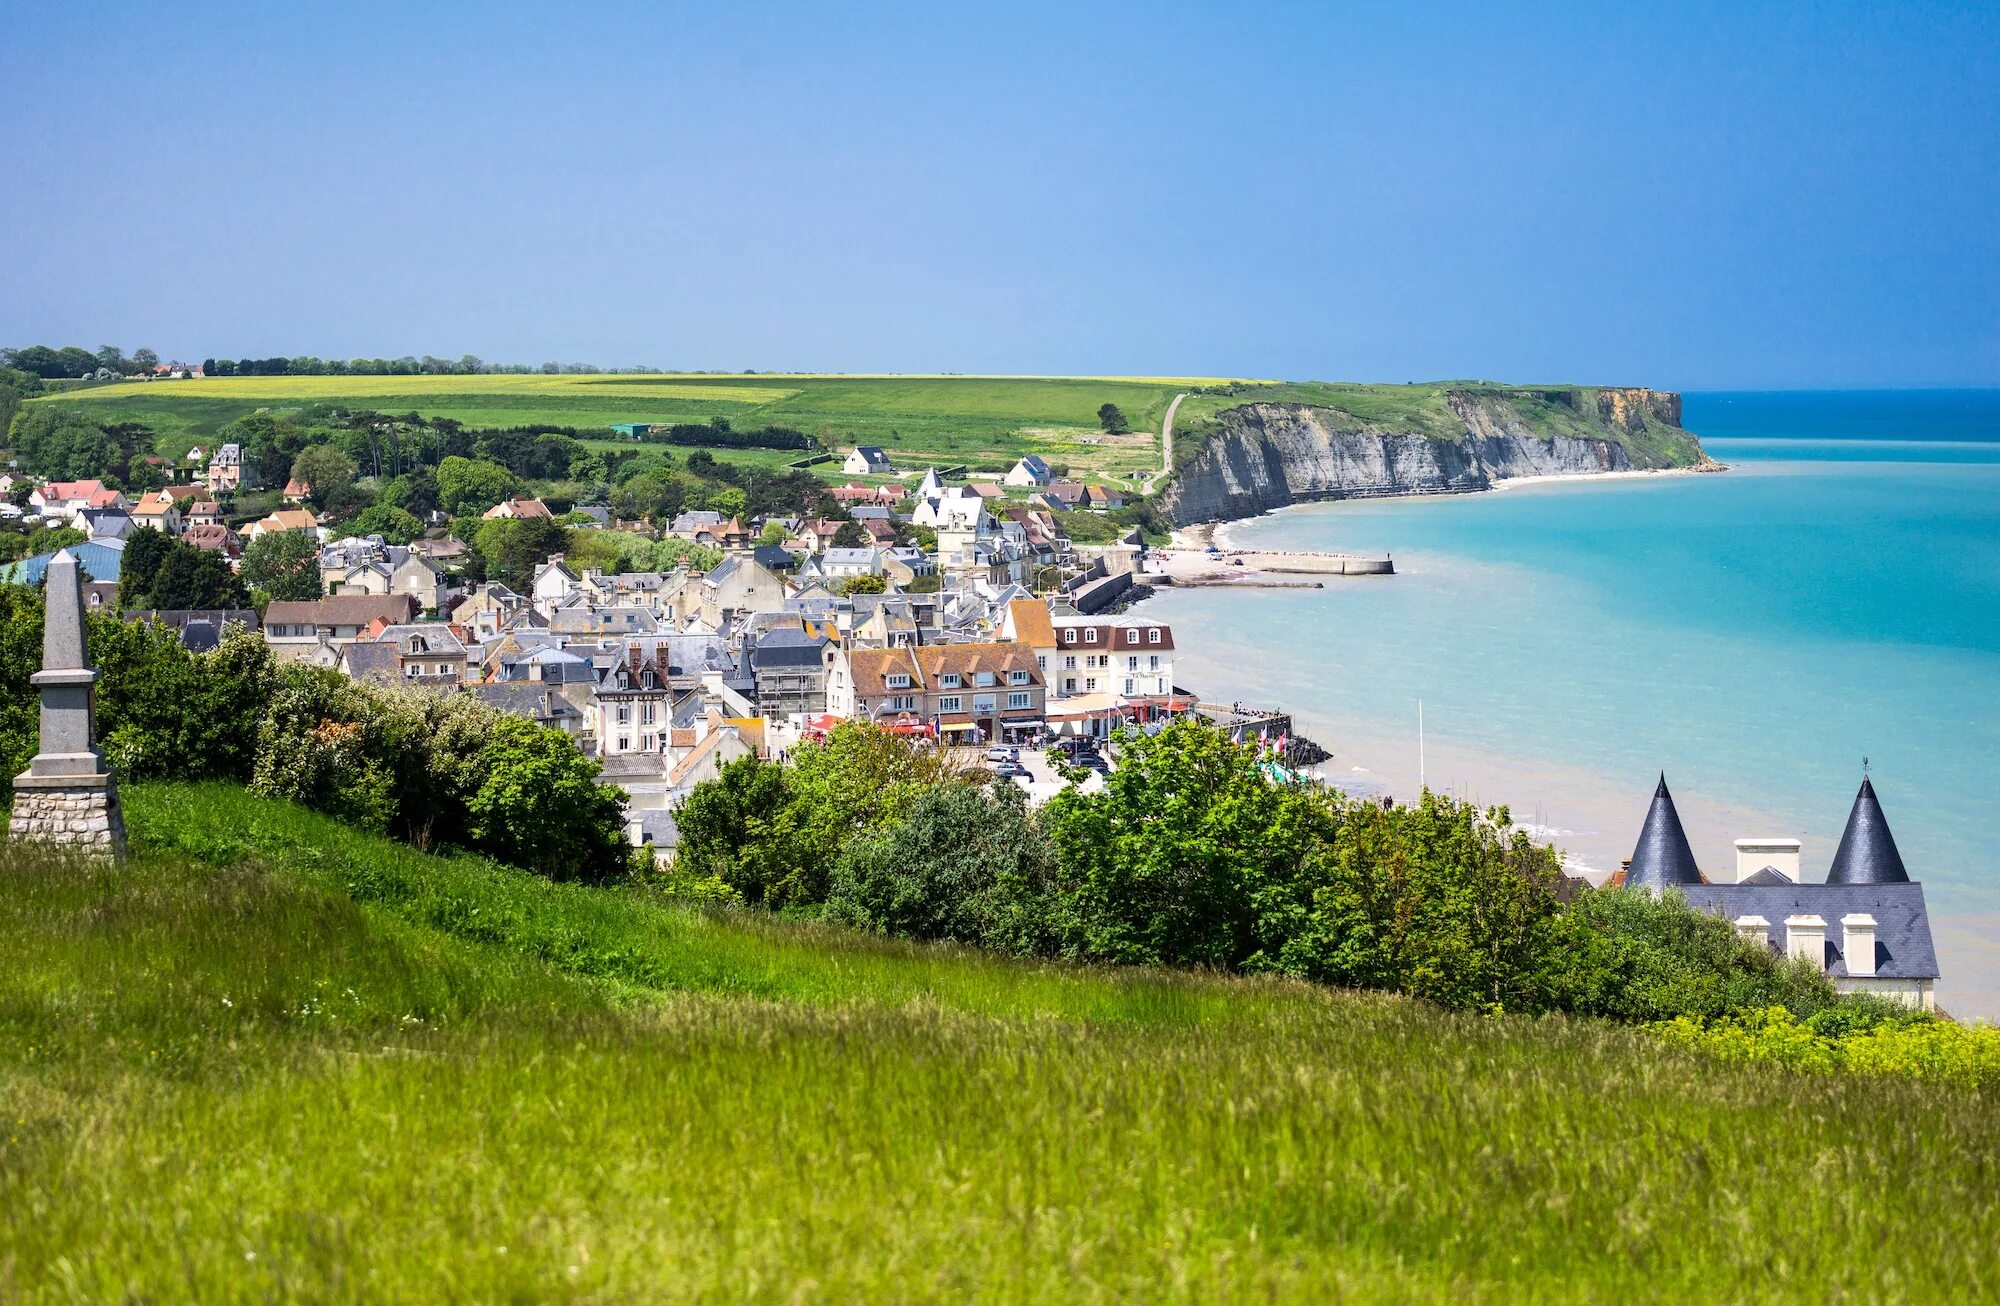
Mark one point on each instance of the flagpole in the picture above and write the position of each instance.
(1420, 744)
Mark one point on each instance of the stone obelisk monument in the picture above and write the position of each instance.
(67, 796)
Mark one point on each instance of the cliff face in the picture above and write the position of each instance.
(1265, 455)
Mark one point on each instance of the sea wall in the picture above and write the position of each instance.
(1262, 456)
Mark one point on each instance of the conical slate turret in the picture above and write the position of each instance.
(1867, 852)
(1662, 859)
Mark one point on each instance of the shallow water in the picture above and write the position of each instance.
(1756, 634)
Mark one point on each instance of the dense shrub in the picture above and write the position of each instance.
(773, 833)
(1637, 957)
(1439, 900)
(961, 865)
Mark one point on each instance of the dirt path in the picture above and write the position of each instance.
(1167, 436)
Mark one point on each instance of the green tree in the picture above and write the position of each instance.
(1179, 858)
(269, 445)
(415, 492)
(1112, 420)
(392, 524)
(849, 535)
(58, 444)
(861, 585)
(145, 550)
(284, 565)
(324, 471)
(467, 487)
(1440, 900)
(198, 579)
(541, 806)
(513, 547)
(738, 828)
(772, 535)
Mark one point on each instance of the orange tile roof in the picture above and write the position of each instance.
(1031, 623)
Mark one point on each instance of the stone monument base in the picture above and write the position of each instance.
(79, 813)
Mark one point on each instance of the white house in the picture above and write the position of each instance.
(867, 460)
(1030, 470)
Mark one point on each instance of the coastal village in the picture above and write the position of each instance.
(952, 610)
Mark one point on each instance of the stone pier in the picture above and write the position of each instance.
(67, 796)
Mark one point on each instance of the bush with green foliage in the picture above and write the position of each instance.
(773, 832)
(961, 865)
(1642, 957)
(540, 804)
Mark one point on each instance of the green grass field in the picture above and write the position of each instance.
(275, 1059)
(975, 420)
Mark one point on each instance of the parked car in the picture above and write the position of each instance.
(1000, 754)
(1011, 771)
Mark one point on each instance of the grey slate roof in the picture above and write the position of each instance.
(787, 647)
(1903, 948)
(1867, 852)
(527, 699)
(1662, 858)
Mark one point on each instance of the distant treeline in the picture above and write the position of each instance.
(74, 363)
(428, 365)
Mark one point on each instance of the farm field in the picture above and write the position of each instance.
(273, 1057)
(981, 421)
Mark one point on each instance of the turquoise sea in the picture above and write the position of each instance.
(1755, 634)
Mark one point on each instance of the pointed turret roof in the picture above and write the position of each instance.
(1662, 859)
(1867, 852)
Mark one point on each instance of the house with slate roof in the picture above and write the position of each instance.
(867, 460)
(790, 671)
(1865, 925)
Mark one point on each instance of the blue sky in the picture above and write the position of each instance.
(1697, 196)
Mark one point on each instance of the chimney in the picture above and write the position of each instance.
(1857, 944)
(1781, 855)
(1755, 929)
(1805, 936)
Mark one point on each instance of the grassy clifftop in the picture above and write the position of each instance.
(1646, 422)
(276, 1058)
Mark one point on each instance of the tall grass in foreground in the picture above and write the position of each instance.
(223, 1077)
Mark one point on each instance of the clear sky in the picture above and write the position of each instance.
(1698, 196)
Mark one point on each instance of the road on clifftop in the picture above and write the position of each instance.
(1167, 436)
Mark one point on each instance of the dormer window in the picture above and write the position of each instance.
(897, 680)
(1069, 636)
(1017, 677)
(951, 680)
(1153, 635)
(1090, 635)
(984, 678)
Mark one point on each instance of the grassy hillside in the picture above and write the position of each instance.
(273, 1058)
(941, 418)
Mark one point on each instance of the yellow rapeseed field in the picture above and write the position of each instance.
(311, 388)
